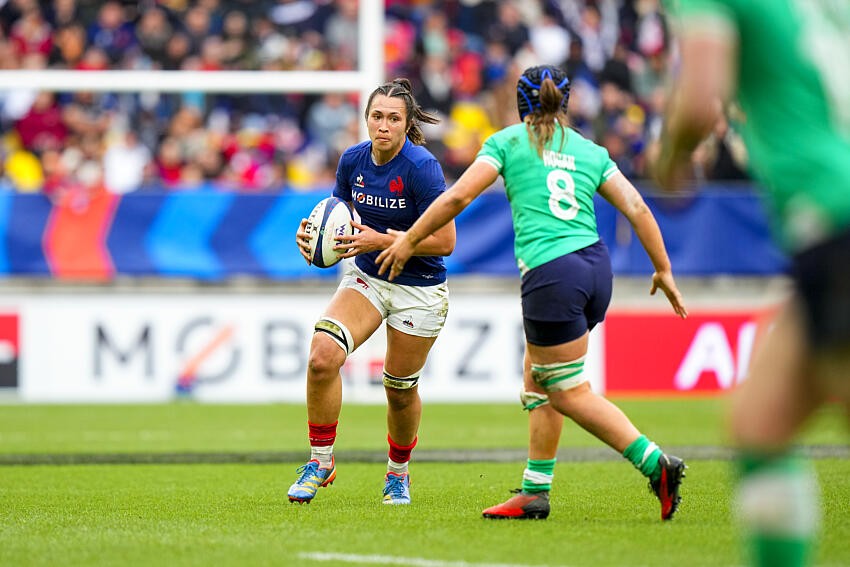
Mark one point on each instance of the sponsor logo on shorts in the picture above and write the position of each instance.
(408, 323)
(360, 281)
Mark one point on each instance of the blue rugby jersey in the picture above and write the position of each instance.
(393, 195)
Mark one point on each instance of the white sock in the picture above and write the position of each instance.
(397, 468)
(322, 454)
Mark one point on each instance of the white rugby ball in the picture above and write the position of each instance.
(330, 219)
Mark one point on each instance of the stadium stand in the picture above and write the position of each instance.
(463, 58)
(91, 183)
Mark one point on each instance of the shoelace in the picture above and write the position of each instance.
(395, 485)
(307, 471)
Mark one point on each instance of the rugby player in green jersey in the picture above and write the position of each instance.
(551, 173)
(785, 61)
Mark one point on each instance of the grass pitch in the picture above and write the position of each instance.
(237, 514)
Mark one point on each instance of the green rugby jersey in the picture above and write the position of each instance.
(551, 196)
(793, 84)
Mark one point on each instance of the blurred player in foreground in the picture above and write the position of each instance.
(551, 174)
(389, 180)
(782, 59)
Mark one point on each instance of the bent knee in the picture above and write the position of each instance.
(567, 401)
(326, 358)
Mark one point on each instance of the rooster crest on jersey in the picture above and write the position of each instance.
(529, 84)
(329, 220)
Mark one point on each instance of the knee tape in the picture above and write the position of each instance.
(337, 331)
(404, 383)
(532, 400)
(559, 376)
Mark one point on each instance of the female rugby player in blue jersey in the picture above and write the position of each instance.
(389, 181)
(551, 174)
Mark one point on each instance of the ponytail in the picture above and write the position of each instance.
(541, 122)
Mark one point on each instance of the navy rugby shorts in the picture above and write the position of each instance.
(566, 297)
(822, 277)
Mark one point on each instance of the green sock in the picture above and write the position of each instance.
(538, 475)
(779, 552)
(644, 455)
(778, 504)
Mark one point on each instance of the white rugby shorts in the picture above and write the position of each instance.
(414, 310)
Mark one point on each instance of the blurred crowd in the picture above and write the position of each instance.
(463, 56)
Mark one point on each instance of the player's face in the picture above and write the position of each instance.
(387, 124)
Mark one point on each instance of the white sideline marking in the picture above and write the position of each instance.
(392, 560)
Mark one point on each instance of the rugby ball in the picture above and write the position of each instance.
(330, 219)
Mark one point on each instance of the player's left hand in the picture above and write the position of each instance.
(364, 239)
(665, 282)
(396, 255)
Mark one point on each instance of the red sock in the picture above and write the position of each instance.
(322, 435)
(400, 453)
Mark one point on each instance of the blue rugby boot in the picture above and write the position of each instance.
(397, 488)
(312, 478)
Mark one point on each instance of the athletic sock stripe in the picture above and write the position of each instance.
(537, 477)
(650, 449)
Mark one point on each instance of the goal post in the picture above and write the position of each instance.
(370, 73)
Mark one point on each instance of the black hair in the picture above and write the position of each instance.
(403, 89)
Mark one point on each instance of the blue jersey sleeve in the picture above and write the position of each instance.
(342, 189)
(428, 184)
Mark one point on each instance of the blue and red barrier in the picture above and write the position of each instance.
(218, 235)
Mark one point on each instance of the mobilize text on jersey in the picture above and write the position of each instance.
(377, 201)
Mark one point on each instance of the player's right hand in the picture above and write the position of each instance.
(302, 240)
(395, 256)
